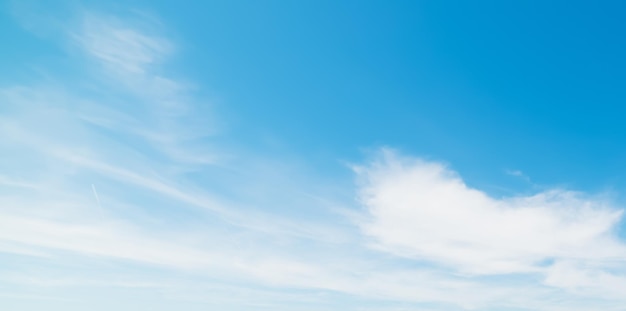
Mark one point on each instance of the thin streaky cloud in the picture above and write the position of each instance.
(95, 194)
(519, 174)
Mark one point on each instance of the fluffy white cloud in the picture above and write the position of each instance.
(424, 210)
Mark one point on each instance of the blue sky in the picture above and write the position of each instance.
(312, 155)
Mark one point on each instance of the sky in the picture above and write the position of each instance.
(312, 155)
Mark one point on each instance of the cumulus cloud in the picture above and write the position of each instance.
(423, 210)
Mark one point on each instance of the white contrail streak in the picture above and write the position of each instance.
(95, 194)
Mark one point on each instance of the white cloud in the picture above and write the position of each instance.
(519, 174)
(131, 144)
(425, 211)
(121, 47)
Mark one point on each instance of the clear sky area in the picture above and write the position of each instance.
(312, 155)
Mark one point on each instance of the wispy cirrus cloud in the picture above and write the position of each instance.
(130, 131)
(120, 47)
